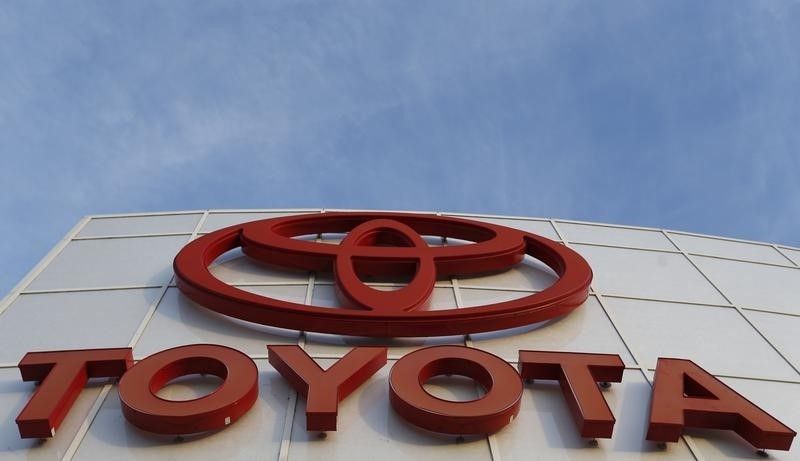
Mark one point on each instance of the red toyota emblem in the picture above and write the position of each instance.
(382, 244)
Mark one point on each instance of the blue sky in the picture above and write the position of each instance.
(674, 114)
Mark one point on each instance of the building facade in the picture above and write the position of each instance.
(731, 306)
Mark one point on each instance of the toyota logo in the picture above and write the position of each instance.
(382, 244)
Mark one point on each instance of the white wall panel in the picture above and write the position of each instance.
(794, 255)
(755, 285)
(782, 330)
(77, 320)
(648, 274)
(729, 249)
(179, 320)
(145, 261)
(617, 236)
(216, 221)
(543, 228)
(136, 225)
(716, 338)
(586, 329)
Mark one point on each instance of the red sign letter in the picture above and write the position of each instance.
(578, 373)
(234, 397)
(324, 389)
(63, 374)
(686, 395)
(484, 415)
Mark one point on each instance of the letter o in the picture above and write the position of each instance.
(485, 415)
(234, 397)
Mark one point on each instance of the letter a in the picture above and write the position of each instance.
(685, 395)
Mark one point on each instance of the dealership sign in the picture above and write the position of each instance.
(684, 395)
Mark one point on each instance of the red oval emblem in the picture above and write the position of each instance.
(382, 244)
